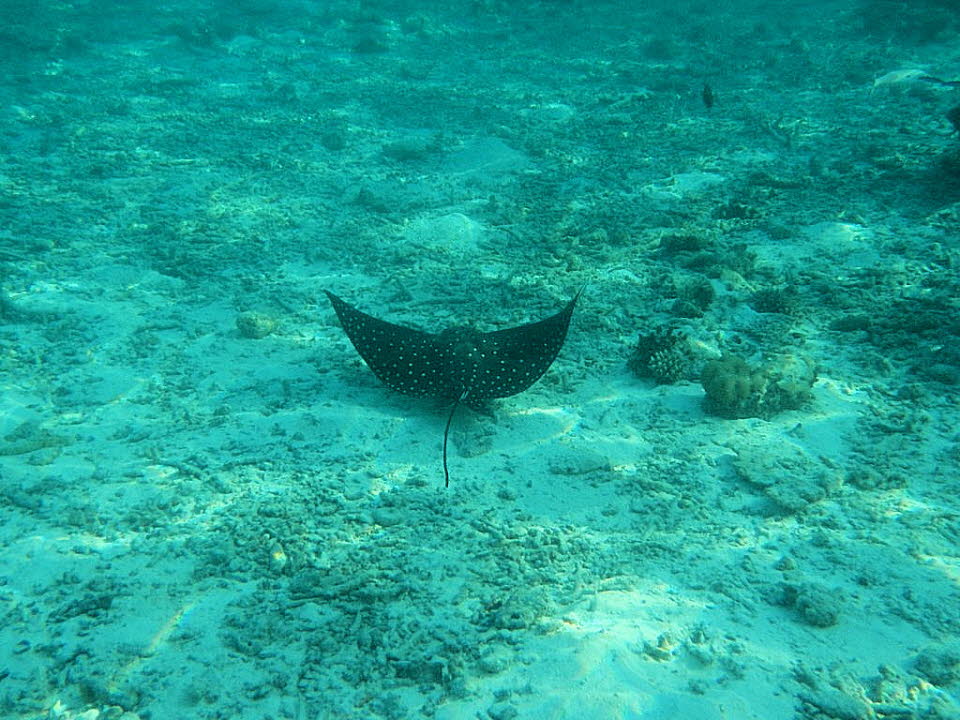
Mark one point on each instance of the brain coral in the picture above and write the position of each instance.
(737, 389)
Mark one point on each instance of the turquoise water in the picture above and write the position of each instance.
(733, 494)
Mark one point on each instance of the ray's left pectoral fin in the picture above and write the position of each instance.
(404, 359)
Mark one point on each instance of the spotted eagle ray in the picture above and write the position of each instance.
(460, 364)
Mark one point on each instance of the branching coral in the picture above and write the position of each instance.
(663, 355)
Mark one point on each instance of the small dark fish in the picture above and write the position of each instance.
(953, 115)
(459, 364)
(707, 96)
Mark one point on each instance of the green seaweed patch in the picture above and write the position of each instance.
(255, 325)
(694, 294)
(817, 605)
(940, 664)
(686, 240)
(27, 438)
(736, 389)
(779, 300)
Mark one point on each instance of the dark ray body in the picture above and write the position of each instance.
(459, 364)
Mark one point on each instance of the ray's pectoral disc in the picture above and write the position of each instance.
(460, 364)
(466, 354)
